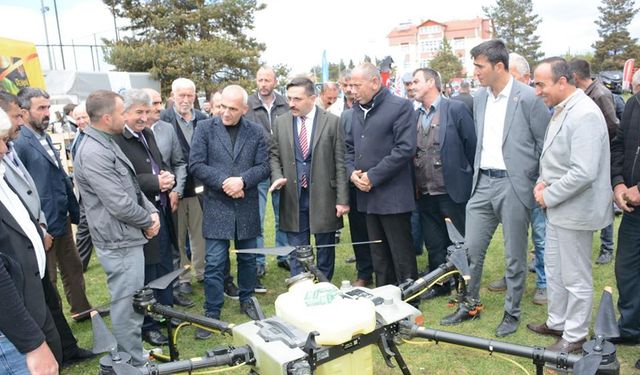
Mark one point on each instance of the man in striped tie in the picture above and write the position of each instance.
(307, 164)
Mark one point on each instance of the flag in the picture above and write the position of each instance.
(325, 67)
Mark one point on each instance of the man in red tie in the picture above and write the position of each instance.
(307, 165)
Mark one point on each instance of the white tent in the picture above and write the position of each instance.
(66, 87)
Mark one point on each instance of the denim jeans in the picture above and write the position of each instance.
(325, 256)
(215, 263)
(12, 362)
(606, 239)
(281, 237)
(538, 232)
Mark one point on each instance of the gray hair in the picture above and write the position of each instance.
(5, 123)
(234, 89)
(328, 86)
(135, 97)
(369, 70)
(519, 63)
(182, 83)
(268, 69)
(82, 107)
(346, 74)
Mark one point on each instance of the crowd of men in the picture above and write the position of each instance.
(159, 188)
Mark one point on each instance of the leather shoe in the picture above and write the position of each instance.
(182, 300)
(202, 334)
(498, 285)
(462, 314)
(605, 257)
(565, 346)
(437, 291)
(248, 308)
(79, 356)
(362, 283)
(284, 264)
(155, 337)
(543, 329)
(185, 288)
(508, 325)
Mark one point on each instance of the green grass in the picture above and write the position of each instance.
(429, 358)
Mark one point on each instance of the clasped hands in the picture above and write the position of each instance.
(361, 180)
(153, 230)
(626, 197)
(233, 187)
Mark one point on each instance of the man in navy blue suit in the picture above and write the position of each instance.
(59, 204)
(229, 156)
(444, 165)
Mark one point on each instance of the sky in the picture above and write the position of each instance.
(296, 32)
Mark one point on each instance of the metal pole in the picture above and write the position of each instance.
(92, 60)
(75, 58)
(55, 8)
(115, 25)
(44, 9)
(95, 41)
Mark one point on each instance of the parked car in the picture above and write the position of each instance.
(612, 79)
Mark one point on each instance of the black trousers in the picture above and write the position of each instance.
(358, 227)
(83, 239)
(628, 275)
(394, 259)
(433, 211)
(56, 329)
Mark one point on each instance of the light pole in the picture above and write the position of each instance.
(55, 8)
(45, 9)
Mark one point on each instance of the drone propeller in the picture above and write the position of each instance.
(605, 326)
(454, 234)
(286, 250)
(160, 283)
(103, 339)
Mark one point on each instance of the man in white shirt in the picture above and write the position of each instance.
(510, 124)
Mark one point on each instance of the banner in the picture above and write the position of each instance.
(19, 66)
(627, 74)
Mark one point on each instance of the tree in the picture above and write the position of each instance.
(615, 45)
(205, 41)
(513, 21)
(334, 72)
(446, 63)
(282, 73)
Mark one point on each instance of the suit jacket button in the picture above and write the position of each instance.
(29, 192)
(148, 161)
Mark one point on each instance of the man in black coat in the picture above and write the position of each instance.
(28, 337)
(139, 145)
(625, 177)
(380, 148)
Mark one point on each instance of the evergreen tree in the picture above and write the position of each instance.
(205, 41)
(446, 63)
(514, 23)
(615, 45)
(351, 65)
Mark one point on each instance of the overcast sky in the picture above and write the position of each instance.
(297, 31)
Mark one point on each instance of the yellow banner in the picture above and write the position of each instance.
(19, 66)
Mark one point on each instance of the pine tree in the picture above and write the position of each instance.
(446, 63)
(205, 41)
(615, 45)
(514, 22)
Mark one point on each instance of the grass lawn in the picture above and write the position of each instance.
(422, 359)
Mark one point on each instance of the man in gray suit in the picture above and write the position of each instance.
(311, 174)
(510, 124)
(575, 189)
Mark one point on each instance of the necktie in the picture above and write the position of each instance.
(154, 166)
(304, 147)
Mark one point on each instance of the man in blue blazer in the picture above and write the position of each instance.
(379, 153)
(443, 164)
(229, 156)
(59, 204)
